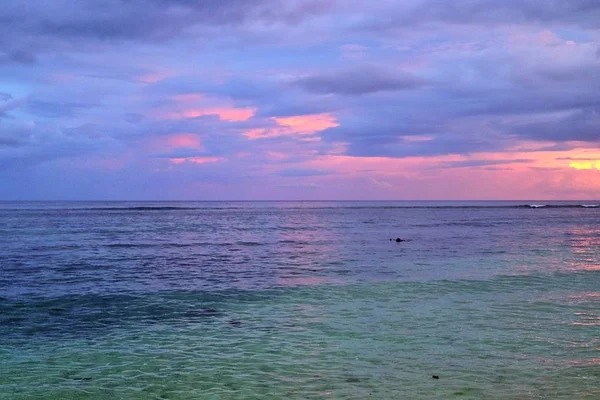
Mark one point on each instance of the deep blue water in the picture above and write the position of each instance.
(243, 300)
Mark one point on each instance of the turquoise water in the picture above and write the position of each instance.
(298, 300)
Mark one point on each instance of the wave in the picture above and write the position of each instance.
(316, 207)
(168, 208)
(140, 208)
(557, 206)
(193, 244)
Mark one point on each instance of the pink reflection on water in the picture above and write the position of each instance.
(584, 297)
(310, 248)
(589, 362)
(585, 243)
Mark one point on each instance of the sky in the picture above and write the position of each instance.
(299, 99)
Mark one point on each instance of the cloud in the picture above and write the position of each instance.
(224, 114)
(580, 125)
(483, 163)
(17, 56)
(244, 95)
(57, 109)
(298, 173)
(402, 16)
(359, 81)
(180, 153)
(354, 51)
(294, 125)
(576, 159)
(27, 144)
(14, 134)
(66, 22)
(195, 160)
(9, 104)
(5, 96)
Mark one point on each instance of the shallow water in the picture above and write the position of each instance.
(299, 300)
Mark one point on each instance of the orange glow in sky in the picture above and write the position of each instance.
(585, 165)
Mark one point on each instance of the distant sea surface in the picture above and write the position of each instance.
(299, 300)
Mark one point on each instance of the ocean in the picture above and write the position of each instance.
(299, 300)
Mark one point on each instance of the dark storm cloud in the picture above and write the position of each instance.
(359, 81)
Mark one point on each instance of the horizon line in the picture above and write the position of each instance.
(295, 200)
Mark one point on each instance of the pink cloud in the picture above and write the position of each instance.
(173, 142)
(183, 140)
(534, 175)
(231, 114)
(295, 125)
(307, 124)
(194, 105)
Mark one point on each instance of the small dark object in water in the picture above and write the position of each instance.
(353, 379)
(398, 240)
(235, 323)
(435, 376)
